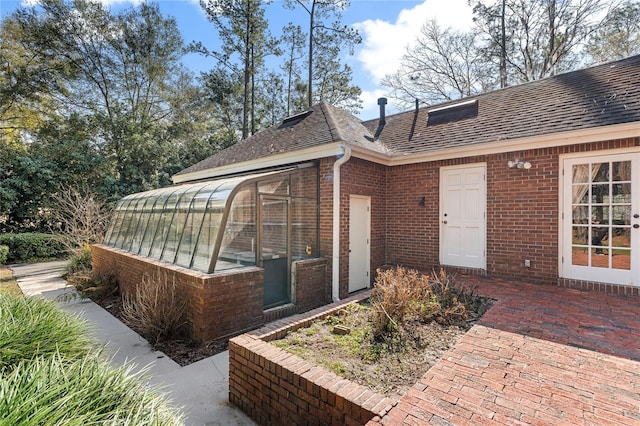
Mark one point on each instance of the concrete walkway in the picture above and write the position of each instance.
(542, 355)
(201, 389)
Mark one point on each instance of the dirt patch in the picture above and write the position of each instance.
(182, 351)
(344, 344)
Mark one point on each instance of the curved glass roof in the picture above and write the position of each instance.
(180, 224)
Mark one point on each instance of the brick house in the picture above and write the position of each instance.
(538, 182)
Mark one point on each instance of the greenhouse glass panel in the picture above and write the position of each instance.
(127, 217)
(182, 225)
(176, 225)
(238, 245)
(112, 232)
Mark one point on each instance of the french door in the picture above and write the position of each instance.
(601, 219)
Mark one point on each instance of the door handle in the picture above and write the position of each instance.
(636, 226)
(444, 221)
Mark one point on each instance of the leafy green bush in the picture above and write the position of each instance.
(4, 251)
(34, 327)
(33, 246)
(80, 260)
(56, 391)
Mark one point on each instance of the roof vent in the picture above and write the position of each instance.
(454, 112)
(294, 119)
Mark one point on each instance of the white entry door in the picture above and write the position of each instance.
(601, 219)
(462, 216)
(359, 242)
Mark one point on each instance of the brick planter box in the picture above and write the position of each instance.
(275, 387)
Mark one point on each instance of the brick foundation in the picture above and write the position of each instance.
(222, 304)
(624, 290)
(275, 387)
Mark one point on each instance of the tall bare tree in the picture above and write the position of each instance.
(442, 65)
(544, 36)
(243, 31)
(618, 36)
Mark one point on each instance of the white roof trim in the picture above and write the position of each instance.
(308, 154)
(593, 134)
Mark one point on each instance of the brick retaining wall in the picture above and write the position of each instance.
(223, 304)
(219, 305)
(275, 387)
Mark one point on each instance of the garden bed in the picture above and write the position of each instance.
(350, 362)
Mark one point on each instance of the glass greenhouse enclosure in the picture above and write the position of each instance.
(224, 224)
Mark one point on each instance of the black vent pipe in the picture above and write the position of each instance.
(382, 121)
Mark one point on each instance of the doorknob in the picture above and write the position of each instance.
(636, 215)
(636, 226)
(444, 221)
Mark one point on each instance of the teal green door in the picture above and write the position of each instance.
(274, 252)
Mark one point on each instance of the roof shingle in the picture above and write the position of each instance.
(599, 96)
(593, 97)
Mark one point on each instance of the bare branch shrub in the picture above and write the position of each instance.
(400, 295)
(155, 308)
(80, 215)
(395, 293)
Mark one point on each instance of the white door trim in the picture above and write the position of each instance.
(566, 268)
(479, 259)
(359, 245)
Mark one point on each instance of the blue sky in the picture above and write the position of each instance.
(387, 28)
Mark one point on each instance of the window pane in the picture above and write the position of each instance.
(238, 247)
(581, 173)
(208, 233)
(196, 207)
(304, 183)
(304, 228)
(621, 171)
(276, 187)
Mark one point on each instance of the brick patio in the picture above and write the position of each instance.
(542, 355)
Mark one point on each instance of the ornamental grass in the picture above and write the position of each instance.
(52, 373)
(33, 327)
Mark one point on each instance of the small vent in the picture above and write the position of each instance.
(294, 119)
(455, 112)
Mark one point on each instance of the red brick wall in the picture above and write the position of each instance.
(357, 177)
(310, 282)
(275, 387)
(220, 305)
(522, 212)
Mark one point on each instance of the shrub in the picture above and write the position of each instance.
(34, 327)
(155, 308)
(395, 293)
(93, 285)
(56, 391)
(80, 260)
(400, 294)
(88, 284)
(33, 246)
(4, 251)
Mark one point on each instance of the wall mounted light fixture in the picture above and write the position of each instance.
(518, 164)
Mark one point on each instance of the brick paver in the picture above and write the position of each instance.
(542, 355)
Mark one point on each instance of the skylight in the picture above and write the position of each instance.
(453, 112)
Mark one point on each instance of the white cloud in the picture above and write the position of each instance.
(384, 43)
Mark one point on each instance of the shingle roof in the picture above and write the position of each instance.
(322, 124)
(593, 97)
(598, 96)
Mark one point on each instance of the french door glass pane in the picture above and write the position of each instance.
(601, 214)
